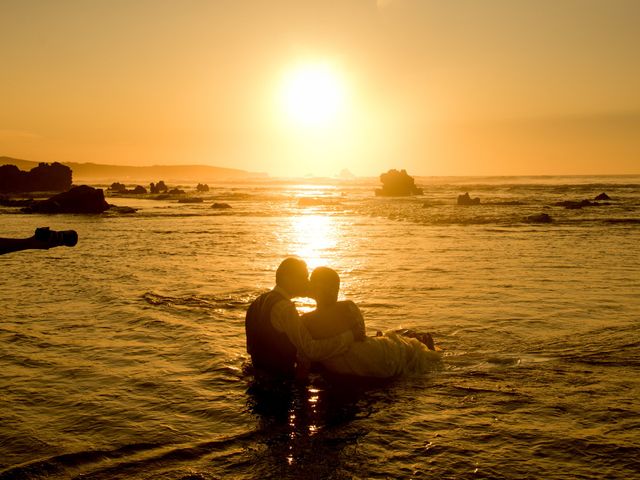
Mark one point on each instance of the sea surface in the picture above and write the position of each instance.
(124, 357)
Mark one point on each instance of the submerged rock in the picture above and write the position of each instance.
(575, 205)
(220, 205)
(191, 200)
(122, 189)
(397, 184)
(540, 218)
(82, 199)
(122, 209)
(9, 202)
(603, 196)
(467, 200)
(505, 202)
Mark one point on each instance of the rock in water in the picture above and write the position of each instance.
(82, 199)
(540, 218)
(603, 196)
(467, 200)
(576, 205)
(397, 184)
(220, 205)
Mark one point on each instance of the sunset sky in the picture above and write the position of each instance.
(459, 87)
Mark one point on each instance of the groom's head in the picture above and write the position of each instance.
(325, 285)
(292, 276)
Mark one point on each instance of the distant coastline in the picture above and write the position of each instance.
(172, 173)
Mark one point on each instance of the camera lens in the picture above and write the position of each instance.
(69, 238)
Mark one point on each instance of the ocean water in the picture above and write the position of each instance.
(124, 357)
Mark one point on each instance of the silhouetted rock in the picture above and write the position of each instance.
(220, 205)
(82, 199)
(603, 196)
(175, 191)
(43, 178)
(540, 218)
(202, 187)
(159, 187)
(190, 200)
(138, 190)
(467, 200)
(118, 187)
(397, 184)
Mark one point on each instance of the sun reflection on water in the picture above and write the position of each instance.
(314, 239)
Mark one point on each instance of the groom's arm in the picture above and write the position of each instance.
(285, 318)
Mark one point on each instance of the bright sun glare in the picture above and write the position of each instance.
(313, 95)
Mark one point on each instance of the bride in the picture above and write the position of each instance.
(382, 356)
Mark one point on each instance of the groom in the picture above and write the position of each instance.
(277, 340)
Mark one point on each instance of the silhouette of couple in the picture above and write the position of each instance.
(284, 344)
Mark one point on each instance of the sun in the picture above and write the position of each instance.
(313, 95)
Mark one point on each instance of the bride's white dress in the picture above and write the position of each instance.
(384, 357)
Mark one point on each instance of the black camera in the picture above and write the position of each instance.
(68, 238)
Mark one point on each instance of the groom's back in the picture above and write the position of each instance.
(270, 349)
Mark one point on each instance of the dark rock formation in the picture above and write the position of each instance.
(43, 178)
(138, 190)
(191, 200)
(82, 199)
(175, 191)
(159, 187)
(467, 200)
(397, 184)
(202, 187)
(118, 187)
(540, 218)
(220, 205)
(603, 196)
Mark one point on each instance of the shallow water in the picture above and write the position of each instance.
(124, 356)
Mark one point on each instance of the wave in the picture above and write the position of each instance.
(192, 301)
(129, 461)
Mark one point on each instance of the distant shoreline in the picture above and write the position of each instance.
(187, 174)
(131, 174)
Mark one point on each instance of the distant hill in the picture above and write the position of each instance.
(170, 173)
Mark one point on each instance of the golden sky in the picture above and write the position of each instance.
(455, 87)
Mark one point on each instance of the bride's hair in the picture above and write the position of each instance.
(328, 280)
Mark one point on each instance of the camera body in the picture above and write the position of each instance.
(68, 238)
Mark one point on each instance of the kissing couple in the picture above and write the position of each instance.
(284, 344)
